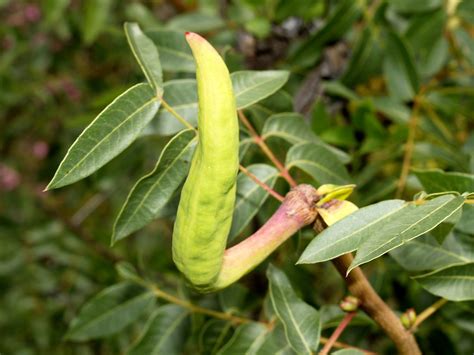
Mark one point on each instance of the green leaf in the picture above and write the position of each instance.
(250, 196)
(393, 109)
(364, 61)
(466, 223)
(94, 18)
(247, 340)
(412, 222)
(276, 343)
(455, 283)
(436, 180)
(425, 36)
(292, 128)
(196, 22)
(175, 54)
(336, 88)
(215, 333)
(399, 69)
(110, 311)
(249, 88)
(408, 6)
(348, 352)
(300, 320)
(165, 332)
(346, 235)
(110, 133)
(146, 55)
(425, 253)
(338, 23)
(153, 191)
(253, 86)
(319, 162)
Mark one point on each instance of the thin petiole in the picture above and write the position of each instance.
(175, 114)
(260, 183)
(264, 147)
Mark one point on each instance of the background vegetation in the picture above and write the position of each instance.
(389, 82)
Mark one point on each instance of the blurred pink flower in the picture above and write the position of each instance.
(32, 13)
(9, 178)
(40, 149)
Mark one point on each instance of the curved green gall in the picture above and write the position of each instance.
(206, 206)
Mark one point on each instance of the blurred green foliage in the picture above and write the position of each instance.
(360, 72)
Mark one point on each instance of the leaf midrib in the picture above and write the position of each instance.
(413, 224)
(292, 319)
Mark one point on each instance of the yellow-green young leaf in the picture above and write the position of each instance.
(411, 223)
(292, 128)
(165, 332)
(111, 132)
(110, 311)
(247, 340)
(455, 283)
(175, 54)
(146, 55)
(436, 180)
(318, 162)
(336, 210)
(153, 191)
(300, 320)
(250, 196)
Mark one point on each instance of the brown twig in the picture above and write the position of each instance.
(428, 312)
(337, 333)
(266, 150)
(375, 307)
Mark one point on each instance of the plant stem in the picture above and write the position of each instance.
(337, 333)
(197, 309)
(261, 184)
(266, 150)
(375, 307)
(229, 317)
(428, 312)
(410, 144)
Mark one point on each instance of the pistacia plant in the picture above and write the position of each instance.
(197, 183)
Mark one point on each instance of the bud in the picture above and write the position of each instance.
(350, 304)
(408, 318)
